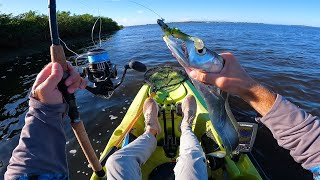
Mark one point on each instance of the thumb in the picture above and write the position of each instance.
(208, 78)
(55, 77)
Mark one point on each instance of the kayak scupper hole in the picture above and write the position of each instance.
(118, 132)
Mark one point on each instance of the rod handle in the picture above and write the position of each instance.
(57, 55)
(83, 139)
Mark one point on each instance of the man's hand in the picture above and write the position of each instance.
(45, 87)
(235, 80)
(232, 78)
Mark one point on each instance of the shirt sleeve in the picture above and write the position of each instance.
(42, 144)
(295, 130)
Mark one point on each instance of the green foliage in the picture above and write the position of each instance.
(32, 27)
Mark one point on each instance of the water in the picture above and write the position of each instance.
(283, 58)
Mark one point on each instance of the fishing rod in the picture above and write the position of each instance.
(100, 71)
(57, 55)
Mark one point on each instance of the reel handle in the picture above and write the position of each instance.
(136, 65)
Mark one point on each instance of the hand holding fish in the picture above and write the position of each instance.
(235, 80)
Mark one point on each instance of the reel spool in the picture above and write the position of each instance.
(100, 71)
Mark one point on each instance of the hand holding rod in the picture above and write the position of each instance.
(57, 55)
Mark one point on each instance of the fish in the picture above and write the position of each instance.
(192, 54)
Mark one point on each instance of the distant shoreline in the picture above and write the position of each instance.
(228, 22)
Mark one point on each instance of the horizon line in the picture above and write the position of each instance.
(212, 21)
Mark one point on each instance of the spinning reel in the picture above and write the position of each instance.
(100, 71)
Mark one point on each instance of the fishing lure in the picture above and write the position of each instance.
(193, 48)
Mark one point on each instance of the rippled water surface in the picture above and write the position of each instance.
(283, 58)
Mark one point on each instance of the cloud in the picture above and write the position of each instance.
(140, 12)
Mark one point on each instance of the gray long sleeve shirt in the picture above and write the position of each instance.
(297, 131)
(41, 148)
(42, 144)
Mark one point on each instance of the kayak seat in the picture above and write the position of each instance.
(163, 170)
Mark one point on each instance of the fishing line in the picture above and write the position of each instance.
(100, 30)
(147, 8)
(92, 31)
(68, 47)
(78, 55)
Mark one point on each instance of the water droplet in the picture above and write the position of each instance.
(78, 172)
(99, 134)
(73, 151)
(124, 108)
(112, 117)
(67, 142)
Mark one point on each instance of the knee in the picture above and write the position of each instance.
(122, 167)
(114, 161)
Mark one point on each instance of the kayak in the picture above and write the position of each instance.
(163, 160)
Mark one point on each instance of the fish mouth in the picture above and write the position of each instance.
(180, 52)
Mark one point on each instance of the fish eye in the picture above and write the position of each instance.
(201, 52)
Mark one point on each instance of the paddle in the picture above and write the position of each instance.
(57, 55)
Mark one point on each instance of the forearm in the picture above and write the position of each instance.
(259, 97)
(41, 147)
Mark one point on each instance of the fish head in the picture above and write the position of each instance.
(192, 54)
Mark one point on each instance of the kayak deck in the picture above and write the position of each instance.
(242, 168)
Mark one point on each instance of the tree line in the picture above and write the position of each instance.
(32, 27)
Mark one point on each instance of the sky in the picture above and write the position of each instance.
(125, 12)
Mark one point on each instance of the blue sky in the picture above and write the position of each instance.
(289, 12)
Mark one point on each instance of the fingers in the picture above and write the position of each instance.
(208, 78)
(80, 83)
(73, 75)
(227, 55)
(42, 76)
(83, 84)
(74, 81)
(54, 78)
